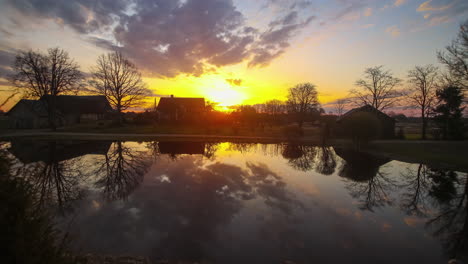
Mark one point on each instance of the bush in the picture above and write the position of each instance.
(361, 128)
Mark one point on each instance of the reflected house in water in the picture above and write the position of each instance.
(180, 108)
(28, 151)
(368, 183)
(174, 148)
(359, 166)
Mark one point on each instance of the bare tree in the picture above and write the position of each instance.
(422, 81)
(340, 106)
(377, 88)
(302, 100)
(119, 81)
(274, 107)
(455, 56)
(46, 76)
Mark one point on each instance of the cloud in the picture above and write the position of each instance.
(441, 11)
(399, 2)
(236, 82)
(426, 6)
(166, 38)
(368, 12)
(394, 31)
(81, 15)
(274, 41)
(6, 62)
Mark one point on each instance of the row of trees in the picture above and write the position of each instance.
(48, 75)
(435, 94)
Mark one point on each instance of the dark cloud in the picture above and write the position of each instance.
(82, 15)
(275, 40)
(168, 37)
(236, 82)
(6, 62)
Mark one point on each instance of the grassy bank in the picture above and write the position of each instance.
(442, 154)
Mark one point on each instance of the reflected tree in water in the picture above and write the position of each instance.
(326, 161)
(415, 197)
(450, 224)
(210, 149)
(28, 232)
(300, 157)
(366, 181)
(56, 181)
(122, 171)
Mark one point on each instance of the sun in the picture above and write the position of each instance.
(226, 97)
(222, 93)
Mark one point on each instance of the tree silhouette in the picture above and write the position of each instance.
(455, 57)
(302, 100)
(448, 112)
(422, 81)
(50, 74)
(377, 88)
(119, 81)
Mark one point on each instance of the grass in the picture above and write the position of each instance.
(443, 154)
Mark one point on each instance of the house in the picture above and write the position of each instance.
(180, 108)
(387, 123)
(70, 110)
(29, 114)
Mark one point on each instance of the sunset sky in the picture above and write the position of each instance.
(236, 51)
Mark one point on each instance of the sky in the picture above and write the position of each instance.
(236, 51)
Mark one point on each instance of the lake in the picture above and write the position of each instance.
(246, 203)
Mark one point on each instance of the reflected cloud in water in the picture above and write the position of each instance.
(238, 202)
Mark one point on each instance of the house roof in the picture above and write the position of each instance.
(170, 103)
(89, 104)
(34, 106)
(366, 108)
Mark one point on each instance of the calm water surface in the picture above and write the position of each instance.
(247, 203)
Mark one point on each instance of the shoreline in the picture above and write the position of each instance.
(437, 154)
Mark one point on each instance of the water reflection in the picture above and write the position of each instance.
(217, 202)
(53, 169)
(121, 171)
(370, 185)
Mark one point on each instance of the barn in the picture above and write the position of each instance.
(181, 108)
(387, 123)
(70, 110)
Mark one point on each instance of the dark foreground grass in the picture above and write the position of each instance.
(443, 154)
